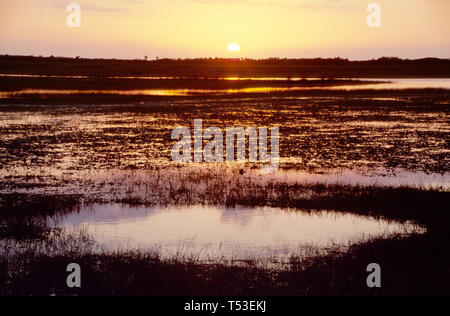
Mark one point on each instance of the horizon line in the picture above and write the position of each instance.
(392, 58)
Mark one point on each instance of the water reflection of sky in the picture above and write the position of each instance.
(382, 84)
(240, 233)
(378, 84)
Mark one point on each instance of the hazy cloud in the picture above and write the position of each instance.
(129, 5)
(96, 6)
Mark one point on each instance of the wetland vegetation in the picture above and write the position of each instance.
(76, 154)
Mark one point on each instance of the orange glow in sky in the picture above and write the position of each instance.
(205, 28)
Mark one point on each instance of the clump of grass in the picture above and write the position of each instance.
(234, 186)
(229, 187)
(24, 216)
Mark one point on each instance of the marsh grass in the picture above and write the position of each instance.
(25, 216)
(233, 187)
(35, 265)
(58, 152)
(230, 187)
(11, 100)
(39, 269)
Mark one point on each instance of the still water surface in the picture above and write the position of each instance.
(373, 84)
(239, 233)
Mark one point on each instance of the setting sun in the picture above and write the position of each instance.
(234, 47)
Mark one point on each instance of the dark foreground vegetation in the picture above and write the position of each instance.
(216, 68)
(412, 265)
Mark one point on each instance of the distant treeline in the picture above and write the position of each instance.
(266, 61)
(309, 61)
(219, 67)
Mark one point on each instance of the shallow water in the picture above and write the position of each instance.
(115, 152)
(315, 135)
(377, 84)
(209, 233)
(397, 84)
(122, 153)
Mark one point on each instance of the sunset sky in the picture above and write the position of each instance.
(206, 28)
